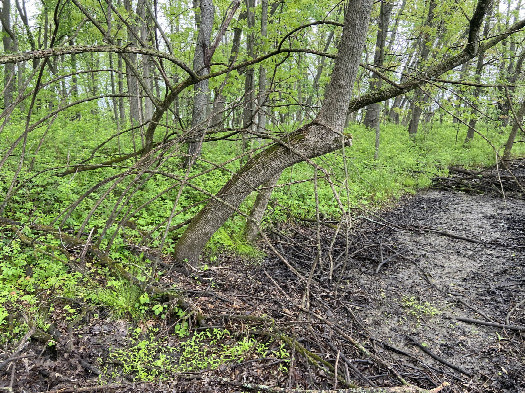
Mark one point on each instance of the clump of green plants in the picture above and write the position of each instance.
(29, 277)
(37, 278)
(149, 357)
(418, 308)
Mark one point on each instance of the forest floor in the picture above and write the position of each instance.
(407, 294)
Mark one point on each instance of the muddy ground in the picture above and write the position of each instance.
(429, 291)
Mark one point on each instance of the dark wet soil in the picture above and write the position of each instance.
(430, 291)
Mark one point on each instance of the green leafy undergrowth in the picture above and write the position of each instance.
(404, 165)
(150, 357)
(141, 204)
(39, 283)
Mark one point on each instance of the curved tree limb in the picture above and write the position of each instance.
(433, 71)
(78, 49)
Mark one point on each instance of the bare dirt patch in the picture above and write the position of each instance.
(431, 291)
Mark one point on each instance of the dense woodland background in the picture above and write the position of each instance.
(141, 135)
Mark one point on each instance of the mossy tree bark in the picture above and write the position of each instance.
(325, 133)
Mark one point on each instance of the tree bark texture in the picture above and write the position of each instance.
(323, 135)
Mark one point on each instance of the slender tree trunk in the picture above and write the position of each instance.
(30, 38)
(299, 84)
(8, 40)
(419, 96)
(477, 96)
(120, 84)
(261, 99)
(259, 207)
(458, 107)
(95, 62)
(324, 134)
(132, 82)
(396, 107)
(478, 91)
(397, 19)
(373, 112)
(511, 72)
(320, 67)
(114, 99)
(263, 196)
(514, 131)
(146, 25)
(249, 81)
(200, 102)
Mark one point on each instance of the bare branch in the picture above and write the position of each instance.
(432, 71)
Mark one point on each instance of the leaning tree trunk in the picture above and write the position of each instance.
(323, 135)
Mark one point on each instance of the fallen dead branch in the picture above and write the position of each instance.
(493, 324)
(261, 388)
(94, 388)
(21, 345)
(439, 359)
(395, 389)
